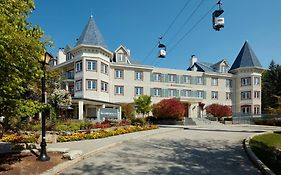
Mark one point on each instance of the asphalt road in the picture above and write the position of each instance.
(179, 152)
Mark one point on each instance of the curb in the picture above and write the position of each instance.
(257, 162)
(60, 167)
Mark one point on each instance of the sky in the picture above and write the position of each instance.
(137, 24)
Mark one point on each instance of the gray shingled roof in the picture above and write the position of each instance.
(91, 35)
(246, 58)
(202, 67)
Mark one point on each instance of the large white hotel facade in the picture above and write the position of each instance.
(98, 78)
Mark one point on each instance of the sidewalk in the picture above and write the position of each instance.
(89, 147)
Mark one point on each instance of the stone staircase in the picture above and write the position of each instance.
(200, 122)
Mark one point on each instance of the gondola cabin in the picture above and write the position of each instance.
(162, 50)
(218, 20)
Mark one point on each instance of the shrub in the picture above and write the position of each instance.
(218, 110)
(127, 111)
(138, 121)
(270, 122)
(169, 109)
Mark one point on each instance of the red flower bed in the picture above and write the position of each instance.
(101, 125)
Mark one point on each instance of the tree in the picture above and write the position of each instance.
(271, 83)
(277, 109)
(143, 104)
(218, 110)
(60, 99)
(169, 109)
(127, 110)
(20, 47)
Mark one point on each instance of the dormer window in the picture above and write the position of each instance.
(121, 57)
(223, 69)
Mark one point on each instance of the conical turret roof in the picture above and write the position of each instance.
(246, 58)
(91, 35)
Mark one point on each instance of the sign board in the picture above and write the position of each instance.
(109, 113)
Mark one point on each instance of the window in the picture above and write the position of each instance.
(69, 74)
(119, 74)
(119, 90)
(78, 66)
(246, 81)
(200, 94)
(256, 80)
(223, 69)
(199, 80)
(156, 92)
(69, 56)
(172, 92)
(257, 94)
(215, 82)
(91, 65)
(104, 86)
(246, 109)
(215, 94)
(104, 68)
(245, 95)
(138, 91)
(228, 96)
(228, 83)
(187, 79)
(78, 85)
(172, 78)
(157, 77)
(121, 57)
(257, 109)
(91, 84)
(186, 93)
(138, 75)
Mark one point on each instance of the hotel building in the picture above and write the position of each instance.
(102, 79)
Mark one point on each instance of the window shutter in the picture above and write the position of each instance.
(193, 80)
(151, 76)
(181, 79)
(204, 81)
(177, 93)
(204, 94)
(151, 92)
(166, 78)
(177, 78)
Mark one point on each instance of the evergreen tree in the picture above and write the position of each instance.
(271, 86)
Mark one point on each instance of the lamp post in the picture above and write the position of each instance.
(43, 152)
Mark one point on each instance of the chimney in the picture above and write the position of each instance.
(193, 60)
(61, 56)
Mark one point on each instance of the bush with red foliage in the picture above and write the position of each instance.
(218, 110)
(169, 109)
(101, 125)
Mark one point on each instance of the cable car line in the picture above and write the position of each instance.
(193, 27)
(186, 21)
(180, 12)
(169, 27)
(189, 31)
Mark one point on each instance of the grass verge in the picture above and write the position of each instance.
(266, 147)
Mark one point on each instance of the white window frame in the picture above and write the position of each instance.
(121, 57)
(172, 78)
(215, 82)
(91, 65)
(157, 92)
(246, 81)
(78, 66)
(187, 79)
(228, 95)
(78, 85)
(257, 94)
(246, 95)
(104, 86)
(200, 94)
(246, 109)
(91, 84)
(229, 83)
(257, 110)
(172, 92)
(119, 90)
(138, 91)
(157, 76)
(104, 68)
(257, 80)
(139, 75)
(199, 80)
(119, 73)
(215, 95)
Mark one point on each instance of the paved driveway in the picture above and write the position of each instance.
(179, 152)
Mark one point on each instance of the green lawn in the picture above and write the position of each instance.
(264, 146)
